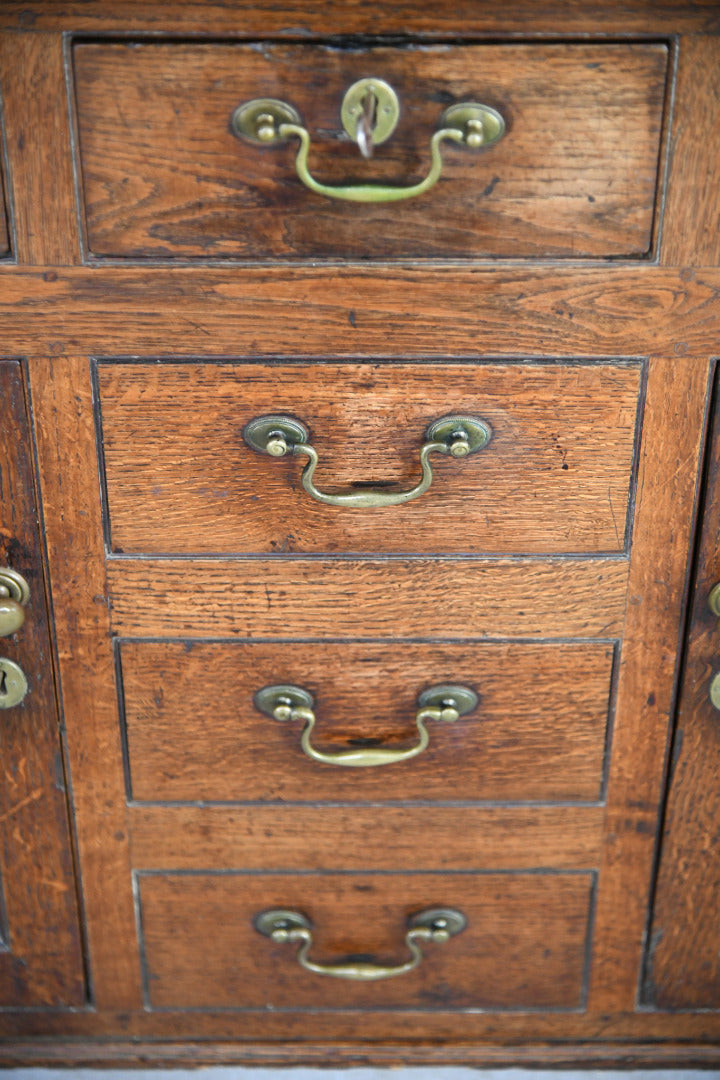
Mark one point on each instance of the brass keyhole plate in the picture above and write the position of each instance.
(387, 111)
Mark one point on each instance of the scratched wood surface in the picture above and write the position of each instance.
(683, 962)
(555, 476)
(202, 950)
(538, 733)
(41, 960)
(164, 176)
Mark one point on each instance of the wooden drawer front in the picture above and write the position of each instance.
(523, 947)
(538, 732)
(555, 476)
(575, 175)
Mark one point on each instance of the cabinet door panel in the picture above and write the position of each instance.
(40, 955)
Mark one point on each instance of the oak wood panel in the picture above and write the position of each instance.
(668, 476)
(192, 1055)
(555, 476)
(62, 408)
(85, 1035)
(692, 210)
(164, 175)
(683, 968)
(431, 838)
(523, 946)
(339, 313)
(318, 598)
(246, 18)
(38, 140)
(41, 962)
(537, 734)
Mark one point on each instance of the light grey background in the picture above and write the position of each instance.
(221, 1073)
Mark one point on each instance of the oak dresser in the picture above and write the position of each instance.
(360, 658)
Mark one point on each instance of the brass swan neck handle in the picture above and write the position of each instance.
(439, 703)
(436, 925)
(277, 436)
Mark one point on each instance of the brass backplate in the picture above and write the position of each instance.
(267, 922)
(268, 699)
(246, 120)
(447, 919)
(13, 684)
(467, 112)
(463, 699)
(258, 431)
(14, 586)
(477, 431)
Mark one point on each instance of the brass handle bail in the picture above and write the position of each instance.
(435, 925)
(277, 436)
(439, 704)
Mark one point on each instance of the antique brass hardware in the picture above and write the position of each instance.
(436, 925)
(454, 435)
(369, 114)
(13, 684)
(14, 595)
(714, 605)
(439, 703)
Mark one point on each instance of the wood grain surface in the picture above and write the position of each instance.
(41, 961)
(523, 947)
(164, 176)
(354, 313)
(358, 837)
(683, 970)
(555, 476)
(37, 137)
(538, 733)
(62, 409)
(668, 478)
(410, 598)
(300, 19)
(692, 210)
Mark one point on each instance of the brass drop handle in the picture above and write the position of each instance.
(277, 436)
(369, 113)
(14, 595)
(436, 925)
(439, 703)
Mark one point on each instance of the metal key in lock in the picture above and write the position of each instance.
(13, 684)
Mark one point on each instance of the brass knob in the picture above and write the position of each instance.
(14, 595)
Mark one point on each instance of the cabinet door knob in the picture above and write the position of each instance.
(439, 703)
(14, 595)
(436, 925)
(369, 114)
(277, 436)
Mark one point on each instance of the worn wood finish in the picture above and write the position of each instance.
(4, 228)
(692, 211)
(246, 598)
(164, 175)
(334, 312)
(47, 1054)
(40, 958)
(538, 733)
(683, 968)
(427, 838)
(667, 479)
(555, 476)
(523, 947)
(37, 134)
(62, 408)
(409, 1032)
(297, 18)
